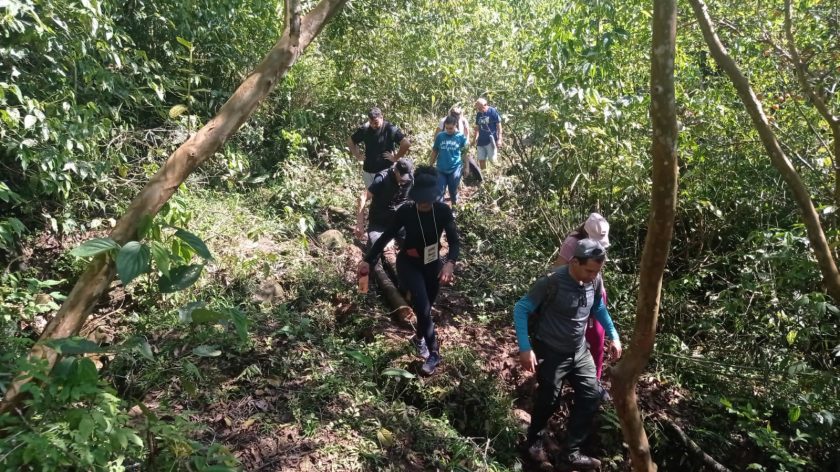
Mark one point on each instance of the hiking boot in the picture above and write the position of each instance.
(605, 395)
(537, 452)
(431, 363)
(420, 345)
(576, 460)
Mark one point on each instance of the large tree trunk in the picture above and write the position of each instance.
(660, 231)
(816, 96)
(816, 236)
(298, 34)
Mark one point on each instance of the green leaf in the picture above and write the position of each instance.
(206, 351)
(203, 315)
(194, 242)
(161, 256)
(177, 111)
(140, 345)
(385, 437)
(94, 247)
(397, 372)
(74, 346)
(180, 277)
(144, 225)
(791, 337)
(794, 413)
(132, 260)
(184, 42)
(361, 357)
(185, 312)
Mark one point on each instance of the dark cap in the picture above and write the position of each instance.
(425, 189)
(374, 112)
(589, 248)
(406, 169)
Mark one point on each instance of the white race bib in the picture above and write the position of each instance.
(430, 254)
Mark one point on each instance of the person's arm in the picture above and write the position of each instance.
(405, 145)
(353, 143)
(523, 308)
(499, 133)
(599, 311)
(465, 157)
(360, 215)
(475, 134)
(376, 250)
(433, 157)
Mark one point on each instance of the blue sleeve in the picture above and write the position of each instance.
(436, 146)
(495, 117)
(523, 308)
(599, 311)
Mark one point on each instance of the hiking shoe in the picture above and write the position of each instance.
(431, 363)
(605, 395)
(580, 461)
(420, 345)
(537, 452)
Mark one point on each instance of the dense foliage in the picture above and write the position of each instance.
(94, 95)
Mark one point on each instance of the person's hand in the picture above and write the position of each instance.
(614, 349)
(500, 143)
(446, 276)
(528, 361)
(359, 231)
(364, 268)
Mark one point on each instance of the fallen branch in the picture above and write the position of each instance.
(693, 448)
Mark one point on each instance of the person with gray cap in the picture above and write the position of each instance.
(387, 193)
(560, 304)
(595, 227)
(420, 269)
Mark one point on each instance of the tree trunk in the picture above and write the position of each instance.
(400, 309)
(660, 231)
(816, 96)
(298, 34)
(816, 236)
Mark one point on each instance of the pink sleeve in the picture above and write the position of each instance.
(567, 250)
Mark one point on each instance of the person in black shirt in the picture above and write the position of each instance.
(388, 192)
(419, 267)
(380, 139)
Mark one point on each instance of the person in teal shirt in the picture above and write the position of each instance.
(449, 156)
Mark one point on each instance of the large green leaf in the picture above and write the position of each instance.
(161, 256)
(203, 315)
(397, 372)
(132, 260)
(194, 242)
(180, 278)
(94, 247)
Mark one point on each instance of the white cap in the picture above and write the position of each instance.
(597, 228)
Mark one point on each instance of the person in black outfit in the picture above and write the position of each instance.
(380, 138)
(388, 192)
(419, 267)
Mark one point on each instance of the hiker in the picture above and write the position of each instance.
(420, 269)
(595, 227)
(388, 192)
(462, 126)
(449, 156)
(560, 305)
(380, 139)
(487, 134)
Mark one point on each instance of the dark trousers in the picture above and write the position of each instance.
(579, 368)
(421, 280)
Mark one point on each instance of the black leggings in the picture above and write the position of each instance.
(423, 284)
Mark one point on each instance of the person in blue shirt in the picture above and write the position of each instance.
(488, 132)
(563, 302)
(449, 156)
